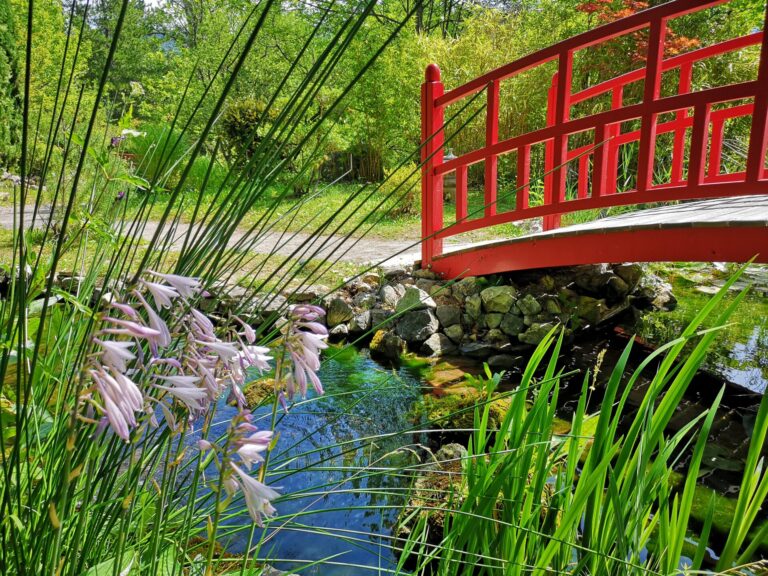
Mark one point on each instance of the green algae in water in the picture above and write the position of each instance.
(740, 352)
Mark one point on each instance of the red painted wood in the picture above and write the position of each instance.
(431, 155)
(523, 177)
(703, 180)
(461, 193)
(684, 244)
(491, 137)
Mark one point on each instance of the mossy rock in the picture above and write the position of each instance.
(259, 392)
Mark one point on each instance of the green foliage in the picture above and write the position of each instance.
(10, 108)
(524, 507)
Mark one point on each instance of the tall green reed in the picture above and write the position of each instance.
(600, 499)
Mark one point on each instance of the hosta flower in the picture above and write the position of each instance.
(115, 354)
(187, 287)
(304, 339)
(131, 328)
(257, 495)
(156, 323)
(163, 295)
(257, 357)
(121, 397)
(185, 389)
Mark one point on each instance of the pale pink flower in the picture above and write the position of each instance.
(184, 389)
(131, 328)
(162, 294)
(122, 399)
(126, 309)
(257, 495)
(184, 285)
(257, 356)
(224, 350)
(248, 331)
(115, 354)
(202, 327)
(250, 448)
(156, 323)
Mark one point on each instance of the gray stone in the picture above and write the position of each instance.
(528, 305)
(499, 298)
(473, 305)
(417, 325)
(360, 322)
(505, 362)
(338, 312)
(551, 305)
(653, 292)
(480, 350)
(535, 333)
(364, 300)
(415, 299)
(591, 309)
(493, 320)
(395, 272)
(268, 304)
(400, 288)
(307, 294)
(388, 345)
(425, 285)
(451, 452)
(338, 332)
(389, 296)
(425, 274)
(438, 345)
(630, 273)
(496, 337)
(592, 278)
(379, 317)
(616, 288)
(371, 278)
(547, 282)
(512, 324)
(454, 332)
(465, 287)
(448, 315)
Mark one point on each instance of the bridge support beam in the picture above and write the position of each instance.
(678, 244)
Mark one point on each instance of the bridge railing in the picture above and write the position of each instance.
(596, 163)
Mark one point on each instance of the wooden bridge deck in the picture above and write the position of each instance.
(725, 229)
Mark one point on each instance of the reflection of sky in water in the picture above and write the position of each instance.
(748, 362)
(328, 434)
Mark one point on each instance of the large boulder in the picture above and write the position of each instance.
(479, 350)
(389, 296)
(473, 306)
(512, 324)
(360, 322)
(455, 332)
(387, 345)
(535, 333)
(448, 315)
(466, 287)
(415, 299)
(630, 273)
(498, 298)
(528, 305)
(437, 345)
(339, 311)
(417, 325)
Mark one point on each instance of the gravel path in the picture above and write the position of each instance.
(366, 250)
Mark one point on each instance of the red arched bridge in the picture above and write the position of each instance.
(711, 211)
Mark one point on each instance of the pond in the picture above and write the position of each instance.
(335, 457)
(333, 463)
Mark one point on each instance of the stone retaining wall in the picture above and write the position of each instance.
(496, 318)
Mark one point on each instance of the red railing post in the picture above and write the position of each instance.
(549, 222)
(431, 156)
(652, 91)
(491, 137)
(758, 135)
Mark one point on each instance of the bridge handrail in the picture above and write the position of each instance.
(702, 180)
